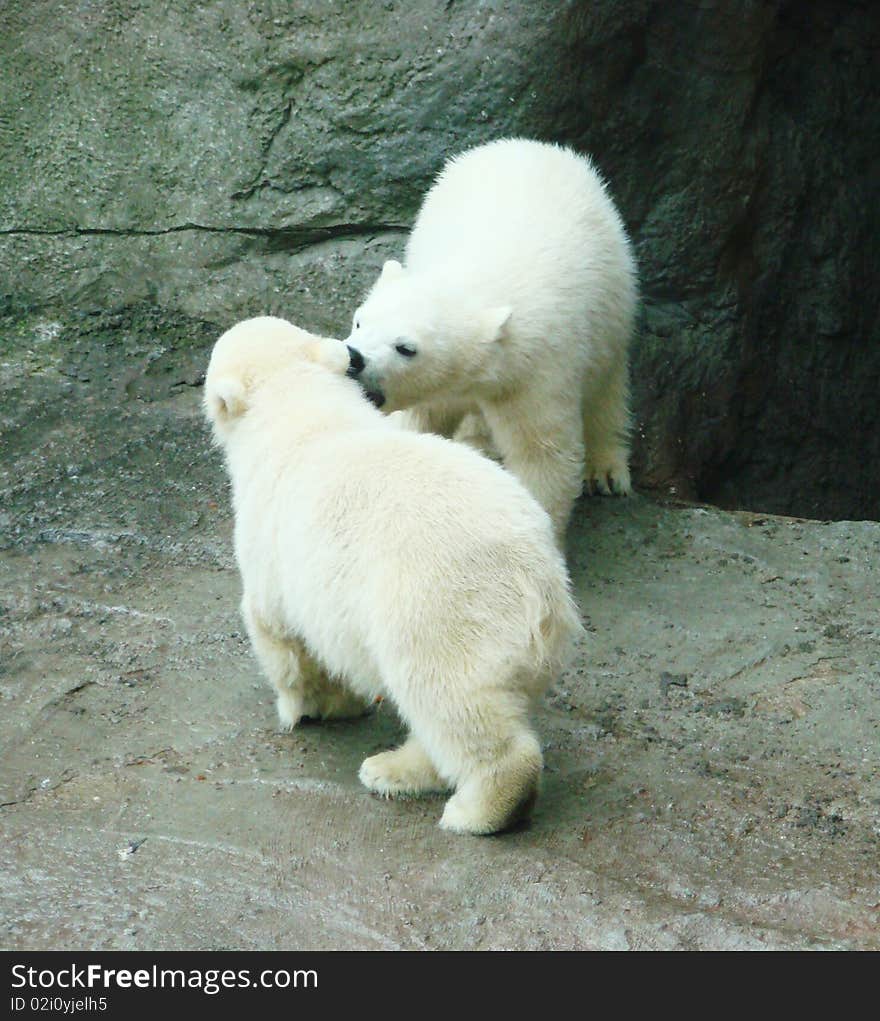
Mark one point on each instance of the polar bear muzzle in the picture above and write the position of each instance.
(356, 362)
(356, 365)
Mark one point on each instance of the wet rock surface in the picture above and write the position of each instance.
(711, 755)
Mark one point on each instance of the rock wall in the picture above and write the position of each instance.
(209, 161)
(742, 140)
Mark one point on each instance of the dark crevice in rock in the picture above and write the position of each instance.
(287, 238)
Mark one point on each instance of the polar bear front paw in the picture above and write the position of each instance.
(405, 771)
(608, 476)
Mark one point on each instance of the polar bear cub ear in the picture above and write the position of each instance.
(494, 322)
(392, 270)
(331, 354)
(226, 399)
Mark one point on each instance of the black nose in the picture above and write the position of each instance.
(356, 362)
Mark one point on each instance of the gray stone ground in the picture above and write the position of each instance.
(711, 756)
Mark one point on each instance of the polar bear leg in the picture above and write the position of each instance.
(474, 431)
(302, 686)
(440, 417)
(406, 770)
(545, 452)
(606, 435)
(455, 420)
(326, 699)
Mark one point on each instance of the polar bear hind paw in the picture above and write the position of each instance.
(464, 814)
(496, 798)
(402, 772)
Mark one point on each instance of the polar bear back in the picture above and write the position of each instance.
(406, 546)
(529, 224)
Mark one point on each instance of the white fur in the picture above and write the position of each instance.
(393, 563)
(519, 296)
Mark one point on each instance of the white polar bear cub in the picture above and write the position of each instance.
(395, 563)
(517, 302)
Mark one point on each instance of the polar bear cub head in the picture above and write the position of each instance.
(253, 354)
(407, 345)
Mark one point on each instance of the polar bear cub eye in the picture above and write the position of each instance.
(407, 350)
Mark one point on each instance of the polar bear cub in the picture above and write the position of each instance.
(380, 561)
(513, 312)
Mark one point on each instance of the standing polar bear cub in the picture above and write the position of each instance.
(516, 303)
(381, 561)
